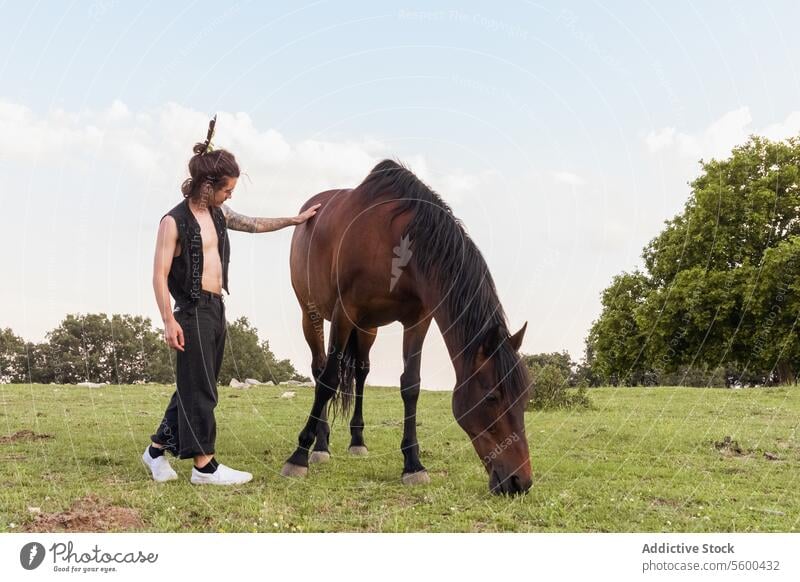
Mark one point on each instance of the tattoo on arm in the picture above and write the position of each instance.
(236, 221)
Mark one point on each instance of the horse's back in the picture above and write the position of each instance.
(344, 250)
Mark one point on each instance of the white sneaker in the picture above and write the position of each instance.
(224, 475)
(159, 467)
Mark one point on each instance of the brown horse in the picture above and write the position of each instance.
(391, 250)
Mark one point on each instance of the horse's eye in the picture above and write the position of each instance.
(492, 397)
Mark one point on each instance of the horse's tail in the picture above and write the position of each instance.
(343, 400)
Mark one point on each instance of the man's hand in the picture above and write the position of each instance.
(301, 218)
(173, 334)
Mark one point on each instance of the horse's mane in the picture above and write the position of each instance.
(444, 252)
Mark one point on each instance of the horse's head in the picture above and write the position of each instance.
(489, 404)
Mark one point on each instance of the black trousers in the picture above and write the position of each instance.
(188, 427)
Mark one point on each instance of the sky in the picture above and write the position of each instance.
(563, 135)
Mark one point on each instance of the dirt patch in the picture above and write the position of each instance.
(23, 436)
(90, 514)
(729, 447)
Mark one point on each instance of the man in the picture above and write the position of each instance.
(191, 264)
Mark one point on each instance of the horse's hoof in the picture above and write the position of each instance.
(319, 457)
(418, 478)
(358, 451)
(290, 470)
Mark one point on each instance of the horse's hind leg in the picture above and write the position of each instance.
(314, 332)
(365, 340)
(315, 338)
(327, 383)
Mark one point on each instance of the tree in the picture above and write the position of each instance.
(13, 358)
(126, 349)
(140, 353)
(739, 207)
(616, 339)
(246, 356)
(585, 373)
(95, 348)
(720, 281)
(773, 342)
(560, 360)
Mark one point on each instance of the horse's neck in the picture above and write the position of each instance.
(447, 326)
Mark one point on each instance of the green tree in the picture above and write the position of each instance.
(561, 360)
(13, 358)
(718, 295)
(773, 334)
(585, 373)
(246, 356)
(121, 349)
(616, 339)
(739, 207)
(126, 349)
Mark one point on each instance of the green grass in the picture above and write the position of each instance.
(638, 460)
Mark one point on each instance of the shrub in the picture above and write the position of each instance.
(551, 390)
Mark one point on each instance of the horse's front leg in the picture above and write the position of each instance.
(326, 385)
(321, 452)
(413, 338)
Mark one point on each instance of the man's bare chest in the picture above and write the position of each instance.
(208, 236)
(202, 235)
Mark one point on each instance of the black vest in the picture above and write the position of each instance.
(186, 272)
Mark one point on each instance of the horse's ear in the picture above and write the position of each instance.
(516, 340)
(491, 339)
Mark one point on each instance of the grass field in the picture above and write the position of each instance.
(638, 460)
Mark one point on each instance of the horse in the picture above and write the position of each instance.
(392, 250)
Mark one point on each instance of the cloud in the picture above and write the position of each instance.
(658, 140)
(789, 127)
(719, 138)
(568, 178)
(156, 144)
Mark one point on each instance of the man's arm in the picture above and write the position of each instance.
(236, 221)
(166, 243)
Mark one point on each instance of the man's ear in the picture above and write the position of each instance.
(516, 339)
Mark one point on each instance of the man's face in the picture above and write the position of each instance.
(225, 191)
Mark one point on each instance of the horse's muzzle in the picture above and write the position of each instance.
(511, 485)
